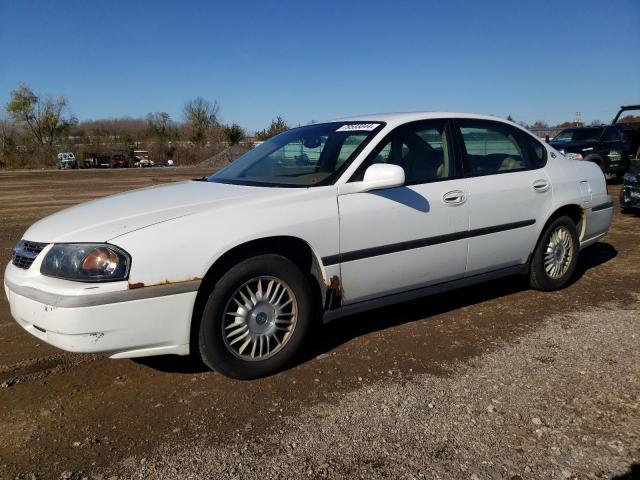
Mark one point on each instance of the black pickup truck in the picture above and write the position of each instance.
(610, 146)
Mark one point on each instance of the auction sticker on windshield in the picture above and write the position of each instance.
(367, 127)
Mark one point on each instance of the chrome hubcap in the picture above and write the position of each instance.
(559, 253)
(259, 318)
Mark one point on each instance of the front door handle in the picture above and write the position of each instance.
(541, 186)
(454, 197)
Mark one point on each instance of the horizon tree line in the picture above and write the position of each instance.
(35, 127)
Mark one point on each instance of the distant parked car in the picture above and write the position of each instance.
(318, 222)
(630, 193)
(119, 161)
(141, 158)
(608, 146)
(67, 160)
(93, 160)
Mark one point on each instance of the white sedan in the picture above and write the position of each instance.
(318, 222)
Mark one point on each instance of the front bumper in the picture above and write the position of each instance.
(116, 323)
(630, 196)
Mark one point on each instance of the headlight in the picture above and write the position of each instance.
(86, 262)
(573, 156)
(630, 177)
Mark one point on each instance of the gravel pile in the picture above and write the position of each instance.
(226, 156)
(562, 402)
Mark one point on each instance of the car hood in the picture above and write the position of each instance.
(106, 218)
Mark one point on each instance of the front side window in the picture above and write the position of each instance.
(421, 149)
(301, 157)
(611, 134)
(492, 148)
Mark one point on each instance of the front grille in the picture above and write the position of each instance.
(25, 253)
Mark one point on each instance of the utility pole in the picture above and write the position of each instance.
(578, 120)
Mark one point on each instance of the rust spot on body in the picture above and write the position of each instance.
(133, 286)
(334, 293)
(334, 284)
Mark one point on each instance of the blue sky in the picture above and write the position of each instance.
(324, 59)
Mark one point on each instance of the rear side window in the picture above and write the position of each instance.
(492, 147)
(537, 152)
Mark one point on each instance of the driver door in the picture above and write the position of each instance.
(408, 237)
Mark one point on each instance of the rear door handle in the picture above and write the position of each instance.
(541, 186)
(454, 197)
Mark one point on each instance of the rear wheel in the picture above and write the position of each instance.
(556, 255)
(256, 317)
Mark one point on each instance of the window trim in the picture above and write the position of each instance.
(453, 151)
(521, 137)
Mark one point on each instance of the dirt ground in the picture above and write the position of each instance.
(493, 381)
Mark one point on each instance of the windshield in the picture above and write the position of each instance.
(578, 135)
(302, 157)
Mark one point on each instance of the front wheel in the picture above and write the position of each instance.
(556, 255)
(256, 317)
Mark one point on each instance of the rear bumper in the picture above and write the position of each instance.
(124, 326)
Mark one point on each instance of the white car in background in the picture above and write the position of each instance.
(67, 160)
(318, 222)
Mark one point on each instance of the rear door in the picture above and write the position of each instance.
(508, 191)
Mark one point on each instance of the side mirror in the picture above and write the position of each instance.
(376, 177)
(383, 175)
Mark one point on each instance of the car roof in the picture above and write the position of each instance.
(398, 118)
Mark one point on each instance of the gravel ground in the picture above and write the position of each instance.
(533, 370)
(563, 402)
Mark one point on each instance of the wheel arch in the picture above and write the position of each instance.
(295, 249)
(573, 211)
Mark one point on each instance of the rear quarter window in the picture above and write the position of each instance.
(537, 152)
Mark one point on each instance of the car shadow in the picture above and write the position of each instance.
(632, 474)
(330, 336)
(634, 212)
(591, 257)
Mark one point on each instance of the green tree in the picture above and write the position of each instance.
(44, 119)
(277, 126)
(234, 133)
(200, 115)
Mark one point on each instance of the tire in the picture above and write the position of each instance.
(561, 262)
(224, 348)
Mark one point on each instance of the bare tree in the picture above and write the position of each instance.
(201, 115)
(540, 124)
(160, 125)
(7, 136)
